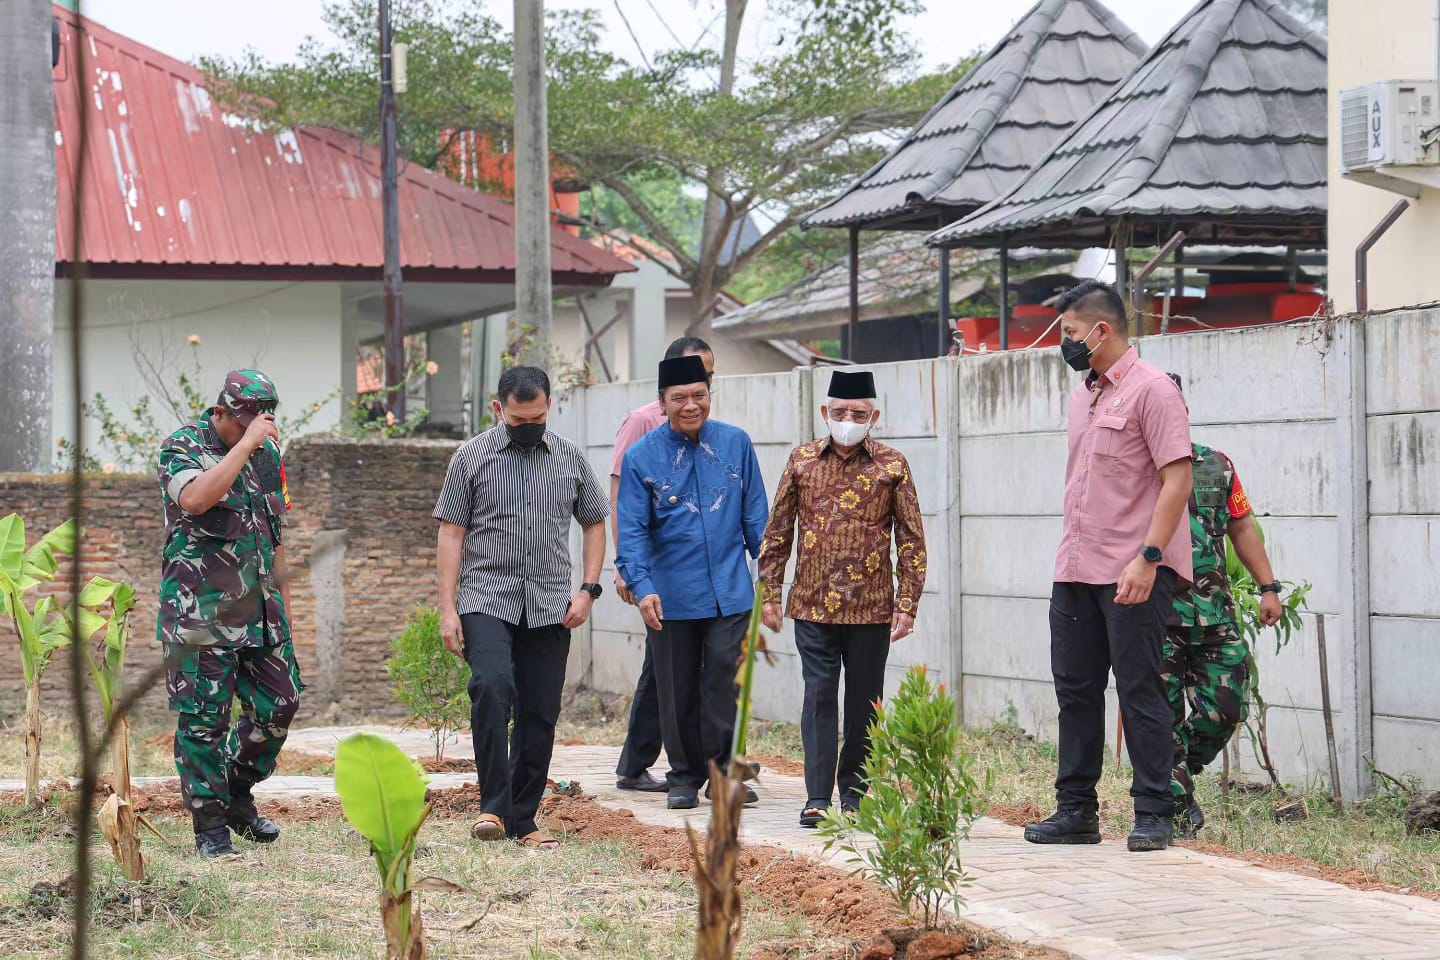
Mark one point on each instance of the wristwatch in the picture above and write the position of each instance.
(1152, 554)
(1271, 588)
(594, 589)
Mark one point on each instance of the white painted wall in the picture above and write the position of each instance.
(291, 331)
(1369, 42)
(1313, 415)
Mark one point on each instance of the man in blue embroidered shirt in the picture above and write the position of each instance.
(692, 506)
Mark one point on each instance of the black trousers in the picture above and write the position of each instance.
(860, 651)
(643, 739)
(695, 666)
(1090, 634)
(519, 671)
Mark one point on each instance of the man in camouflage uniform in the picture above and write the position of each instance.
(224, 598)
(1204, 652)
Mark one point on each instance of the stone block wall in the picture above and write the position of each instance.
(360, 543)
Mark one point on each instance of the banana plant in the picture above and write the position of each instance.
(104, 611)
(382, 793)
(41, 630)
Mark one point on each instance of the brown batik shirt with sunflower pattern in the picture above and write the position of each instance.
(847, 508)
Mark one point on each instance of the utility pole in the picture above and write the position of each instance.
(390, 199)
(532, 179)
(27, 235)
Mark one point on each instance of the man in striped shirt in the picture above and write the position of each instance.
(505, 600)
(642, 739)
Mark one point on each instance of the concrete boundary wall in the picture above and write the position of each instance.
(1335, 430)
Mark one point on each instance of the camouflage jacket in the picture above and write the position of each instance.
(1218, 498)
(218, 587)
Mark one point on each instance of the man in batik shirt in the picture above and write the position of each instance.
(850, 494)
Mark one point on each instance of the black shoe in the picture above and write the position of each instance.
(1152, 832)
(1189, 819)
(1068, 825)
(249, 825)
(214, 844)
(645, 783)
(813, 814)
(750, 796)
(682, 799)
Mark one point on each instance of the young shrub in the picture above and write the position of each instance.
(922, 800)
(1246, 594)
(429, 680)
(42, 630)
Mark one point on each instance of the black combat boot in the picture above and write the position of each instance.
(214, 844)
(249, 825)
(1068, 825)
(1152, 832)
(1189, 818)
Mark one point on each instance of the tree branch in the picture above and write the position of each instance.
(659, 232)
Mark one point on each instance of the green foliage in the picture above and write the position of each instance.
(382, 793)
(1245, 593)
(792, 129)
(754, 645)
(133, 442)
(44, 629)
(429, 680)
(922, 799)
(105, 606)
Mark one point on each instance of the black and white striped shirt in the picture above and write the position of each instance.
(516, 507)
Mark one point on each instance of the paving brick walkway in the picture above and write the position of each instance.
(1096, 902)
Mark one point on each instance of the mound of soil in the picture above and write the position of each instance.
(836, 904)
(1423, 813)
(114, 904)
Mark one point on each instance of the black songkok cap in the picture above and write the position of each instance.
(852, 386)
(680, 371)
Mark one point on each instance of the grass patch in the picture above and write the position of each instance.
(313, 895)
(59, 756)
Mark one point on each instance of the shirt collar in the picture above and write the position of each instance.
(1117, 372)
(679, 437)
(828, 446)
(208, 434)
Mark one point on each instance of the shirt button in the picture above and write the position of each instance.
(674, 499)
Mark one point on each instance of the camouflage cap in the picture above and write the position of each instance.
(249, 391)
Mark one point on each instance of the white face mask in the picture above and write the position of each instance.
(847, 434)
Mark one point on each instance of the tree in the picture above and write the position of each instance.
(797, 125)
(27, 234)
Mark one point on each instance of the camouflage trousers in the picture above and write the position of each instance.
(1207, 680)
(220, 761)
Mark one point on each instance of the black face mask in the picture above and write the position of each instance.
(525, 435)
(1076, 354)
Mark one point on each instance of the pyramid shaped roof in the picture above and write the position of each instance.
(1057, 62)
(1220, 130)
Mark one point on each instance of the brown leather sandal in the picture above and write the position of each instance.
(539, 840)
(488, 827)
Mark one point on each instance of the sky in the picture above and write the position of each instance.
(946, 31)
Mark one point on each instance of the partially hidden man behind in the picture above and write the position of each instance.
(850, 493)
(643, 739)
(224, 602)
(1205, 654)
(505, 599)
(1122, 553)
(692, 507)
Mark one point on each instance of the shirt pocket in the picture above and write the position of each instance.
(1115, 445)
(229, 519)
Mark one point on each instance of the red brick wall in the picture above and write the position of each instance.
(365, 505)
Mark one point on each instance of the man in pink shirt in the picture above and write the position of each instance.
(642, 740)
(1122, 556)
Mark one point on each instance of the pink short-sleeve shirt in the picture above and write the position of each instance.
(641, 421)
(1124, 426)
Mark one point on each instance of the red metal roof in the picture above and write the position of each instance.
(176, 184)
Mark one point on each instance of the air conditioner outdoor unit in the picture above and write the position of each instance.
(1390, 135)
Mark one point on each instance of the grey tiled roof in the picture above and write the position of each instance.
(1220, 130)
(897, 277)
(1046, 73)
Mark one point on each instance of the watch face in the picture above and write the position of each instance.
(1152, 554)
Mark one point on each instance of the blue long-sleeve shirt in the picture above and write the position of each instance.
(689, 513)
